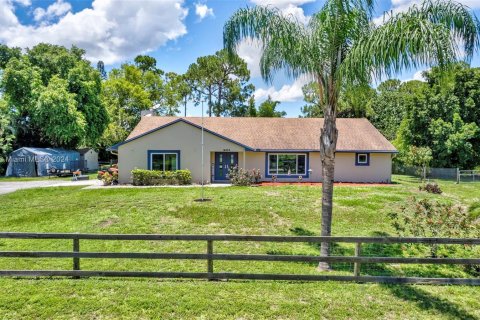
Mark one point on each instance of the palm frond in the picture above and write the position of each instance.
(284, 39)
(423, 36)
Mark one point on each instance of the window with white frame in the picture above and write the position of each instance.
(287, 163)
(163, 161)
(362, 159)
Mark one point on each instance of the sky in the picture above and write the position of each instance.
(175, 32)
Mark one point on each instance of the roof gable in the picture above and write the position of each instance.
(277, 133)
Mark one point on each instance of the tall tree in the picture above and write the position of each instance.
(101, 70)
(177, 90)
(388, 108)
(340, 45)
(222, 81)
(26, 78)
(354, 101)
(267, 109)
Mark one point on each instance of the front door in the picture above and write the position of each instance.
(223, 162)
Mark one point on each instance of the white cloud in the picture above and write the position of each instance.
(287, 93)
(289, 8)
(112, 31)
(57, 9)
(203, 11)
(403, 5)
(25, 3)
(251, 51)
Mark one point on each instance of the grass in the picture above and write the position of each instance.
(286, 210)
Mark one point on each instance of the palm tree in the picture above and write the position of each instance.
(342, 46)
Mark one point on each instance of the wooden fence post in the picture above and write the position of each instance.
(76, 260)
(356, 265)
(210, 260)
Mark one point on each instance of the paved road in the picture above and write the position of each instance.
(10, 186)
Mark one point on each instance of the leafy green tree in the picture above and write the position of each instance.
(7, 53)
(354, 101)
(56, 111)
(27, 77)
(147, 63)
(311, 94)
(7, 135)
(341, 46)
(125, 96)
(222, 81)
(452, 142)
(177, 90)
(387, 108)
(267, 109)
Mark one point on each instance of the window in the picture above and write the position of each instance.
(285, 164)
(163, 161)
(362, 159)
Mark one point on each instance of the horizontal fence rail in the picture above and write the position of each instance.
(358, 260)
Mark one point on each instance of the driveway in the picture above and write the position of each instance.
(7, 187)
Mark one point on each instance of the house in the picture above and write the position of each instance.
(90, 158)
(287, 148)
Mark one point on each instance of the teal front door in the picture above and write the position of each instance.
(223, 162)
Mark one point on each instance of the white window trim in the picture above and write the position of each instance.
(362, 154)
(163, 153)
(296, 163)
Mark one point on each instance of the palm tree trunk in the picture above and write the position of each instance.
(328, 144)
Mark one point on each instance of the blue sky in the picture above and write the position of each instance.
(175, 32)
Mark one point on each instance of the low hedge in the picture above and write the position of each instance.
(159, 178)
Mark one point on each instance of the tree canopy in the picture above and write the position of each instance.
(52, 96)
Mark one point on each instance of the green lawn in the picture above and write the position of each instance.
(289, 210)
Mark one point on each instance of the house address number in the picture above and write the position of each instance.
(226, 150)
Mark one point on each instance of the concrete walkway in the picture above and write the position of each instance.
(12, 186)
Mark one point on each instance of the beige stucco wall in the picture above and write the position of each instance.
(178, 136)
(379, 170)
(187, 139)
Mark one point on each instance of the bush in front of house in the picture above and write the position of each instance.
(158, 178)
(242, 177)
(109, 179)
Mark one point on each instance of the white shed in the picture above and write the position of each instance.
(89, 158)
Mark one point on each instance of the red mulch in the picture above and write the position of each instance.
(319, 184)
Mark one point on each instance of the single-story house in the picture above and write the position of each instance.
(287, 148)
(90, 158)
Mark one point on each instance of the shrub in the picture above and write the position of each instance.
(109, 178)
(431, 187)
(242, 177)
(425, 218)
(156, 178)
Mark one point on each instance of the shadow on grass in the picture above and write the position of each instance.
(409, 293)
(429, 302)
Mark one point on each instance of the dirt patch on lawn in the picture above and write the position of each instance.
(108, 222)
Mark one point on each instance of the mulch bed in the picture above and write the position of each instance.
(319, 184)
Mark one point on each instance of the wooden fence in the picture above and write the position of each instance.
(209, 256)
